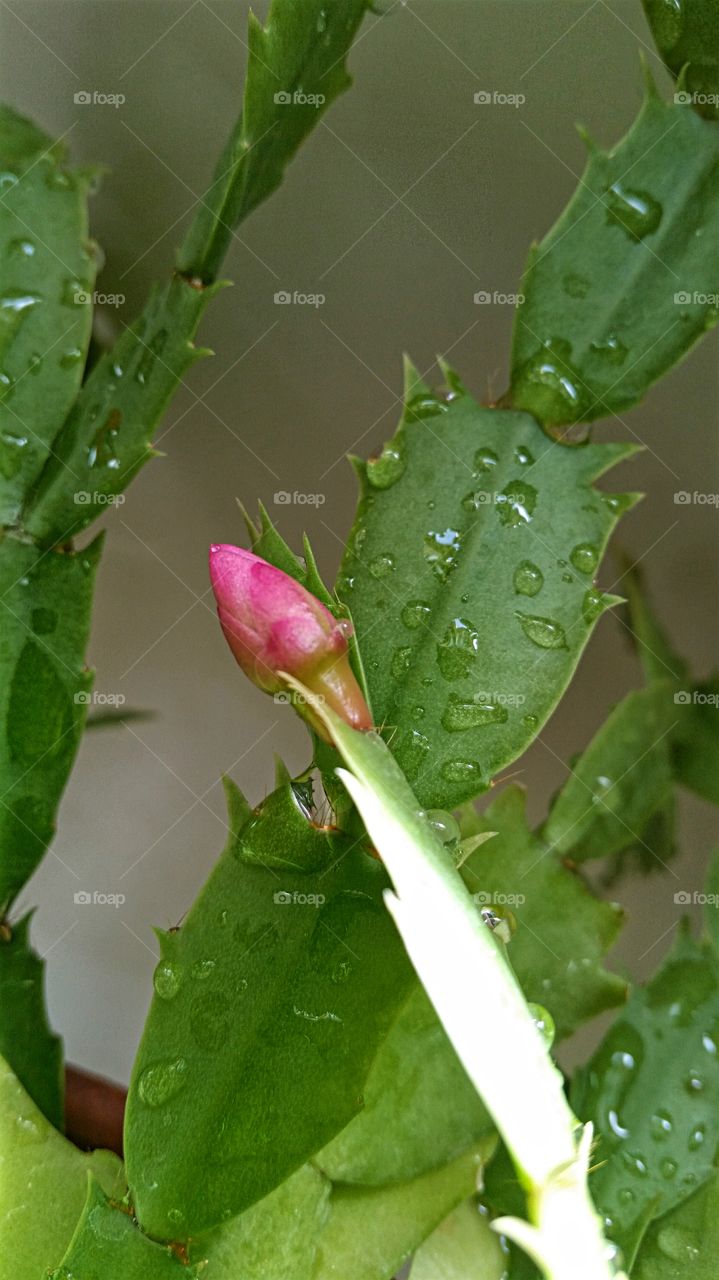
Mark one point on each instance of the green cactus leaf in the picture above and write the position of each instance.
(275, 1239)
(620, 781)
(687, 36)
(562, 930)
(652, 1092)
(461, 1246)
(628, 278)
(271, 1002)
(420, 1111)
(43, 1185)
(470, 577)
(44, 690)
(47, 274)
(27, 1044)
(296, 69)
(372, 1232)
(107, 1245)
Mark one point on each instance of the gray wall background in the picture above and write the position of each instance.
(408, 200)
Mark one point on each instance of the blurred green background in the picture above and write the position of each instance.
(408, 199)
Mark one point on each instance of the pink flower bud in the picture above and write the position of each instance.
(274, 625)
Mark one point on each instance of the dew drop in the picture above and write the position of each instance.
(528, 579)
(549, 383)
(636, 212)
(678, 1244)
(484, 460)
(415, 613)
(584, 557)
(71, 357)
(412, 751)
(457, 651)
(461, 714)
(202, 969)
(523, 456)
(444, 825)
(668, 1169)
(575, 285)
(150, 353)
(516, 502)
(660, 1126)
(22, 248)
(592, 605)
(167, 979)
(441, 551)
(386, 470)
(696, 1137)
(401, 662)
(382, 565)
(694, 1083)
(11, 453)
(530, 721)
(543, 632)
(611, 350)
(162, 1081)
(424, 406)
(15, 301)
(461, 771)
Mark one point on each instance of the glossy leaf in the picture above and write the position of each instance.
(271, 1001)
(461, 1247)
(684, 1243)
(107, 1245)
(687, 36)
(296, 69)
(420, 1109)
(562, 930)
(470, 580)
(652, 1092)
(274, 1239)
(620, 781)
(47, 274)
(625, 282)
(30, 1048)
(372, 1232)
(45, 604)
(43, 1185)
(107, 435)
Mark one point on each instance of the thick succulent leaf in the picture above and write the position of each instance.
(626, 281)
(463, 1245)
(659, 659)
(420, 1109)
(274, 1239)
(652, 1093)
(27, 1044)
(107, 1245)
(562, 929)
(654, 847)
(270, 1004)
(620, 781)
(43, 1185)
(47, 273)
(295, 70)
(687, 36)
(684, 1243)
(106, 437)
(371, 1232)
(45, 610)
(469, 577)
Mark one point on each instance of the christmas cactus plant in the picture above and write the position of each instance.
(319, 1092)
